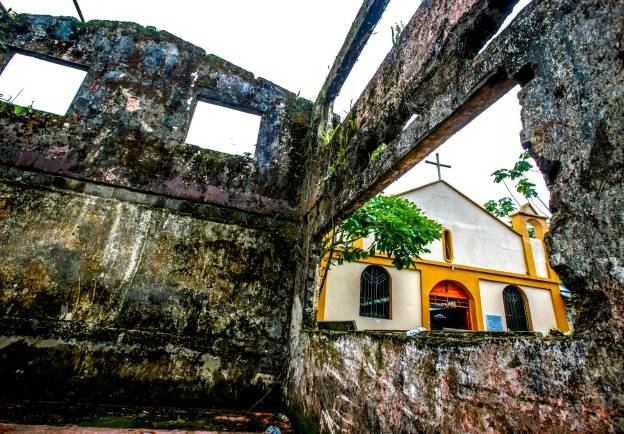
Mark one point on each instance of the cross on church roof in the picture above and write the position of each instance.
(438, 164)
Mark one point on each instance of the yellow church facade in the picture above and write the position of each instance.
(482, 275)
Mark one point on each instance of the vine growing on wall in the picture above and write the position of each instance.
(326, 136)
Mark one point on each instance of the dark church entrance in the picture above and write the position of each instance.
(449, 307)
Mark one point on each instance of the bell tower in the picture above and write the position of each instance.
(522, 221)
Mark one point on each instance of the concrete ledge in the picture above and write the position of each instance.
(16, 176)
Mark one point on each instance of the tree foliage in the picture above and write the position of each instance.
(501, 208)
(505, 205)
(398, 227)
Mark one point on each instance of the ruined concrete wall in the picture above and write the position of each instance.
(429, 74)
(117, 300)
(135, 267)
(128, 122)
(469, 383)
(568, 57)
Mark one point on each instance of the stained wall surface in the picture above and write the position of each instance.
(342, 298)
(135, 267)
(539, 257)
(128, 123)
(538, 303)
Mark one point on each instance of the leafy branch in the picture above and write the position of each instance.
(397, 226)
(505, 206)
(501, 208)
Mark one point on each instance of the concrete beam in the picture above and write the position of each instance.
(362, 28)
(420, 76)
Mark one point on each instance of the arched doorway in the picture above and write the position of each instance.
(450, 307)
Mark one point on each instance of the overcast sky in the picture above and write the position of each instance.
(293, 43)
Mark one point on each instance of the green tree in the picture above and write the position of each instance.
(398, 226)
(505, 205)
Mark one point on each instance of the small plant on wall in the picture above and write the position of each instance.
(396, 31)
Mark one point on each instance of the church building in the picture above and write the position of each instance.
(481, 275)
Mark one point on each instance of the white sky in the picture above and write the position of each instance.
(491, 141)
(293, 43)
(21, 83)
(219, 120)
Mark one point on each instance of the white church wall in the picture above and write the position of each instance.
(479, 240)
(539, 301)
(435, 249)
(342, 298)
(366, 242)
(542, 310)
(539, 257)
(492, 300)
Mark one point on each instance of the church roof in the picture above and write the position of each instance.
(427, 185)
(528, 210)
(430, 184)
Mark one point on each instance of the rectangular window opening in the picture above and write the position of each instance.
(223, 129)
(45, 85)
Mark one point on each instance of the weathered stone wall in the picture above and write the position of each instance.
(128, 122)
(432, 74)
(568, 57)
(104, 298)
(387, 383)
(135, 267)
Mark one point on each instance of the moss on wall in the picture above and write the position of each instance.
(205, 304)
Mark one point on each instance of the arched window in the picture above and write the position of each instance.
(375, 293)
(515, 309)
(447, 244)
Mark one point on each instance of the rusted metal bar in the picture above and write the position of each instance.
(362, 28)
(3, 9)
(79, 11)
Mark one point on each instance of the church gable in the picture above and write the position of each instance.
(479, 239)
(528, 209)
(441, 201)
